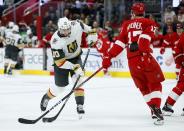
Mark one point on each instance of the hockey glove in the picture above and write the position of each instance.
(92, 38)
(133, 47)
(162, 50)
(78, 70)
(106, 63)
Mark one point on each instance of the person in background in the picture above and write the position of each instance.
(179, 88)
(45, 43)
(13, 44)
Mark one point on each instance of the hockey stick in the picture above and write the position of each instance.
(75, 84)
(51, 119)
(26, 121)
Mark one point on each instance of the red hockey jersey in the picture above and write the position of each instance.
(179, 51)
(103, 45)
(169, 40)
(139, 31)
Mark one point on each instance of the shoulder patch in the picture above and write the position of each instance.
(54, 41)
(73, 22)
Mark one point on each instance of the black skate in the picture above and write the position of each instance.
(44, 102)
(10, 72)
(5, 70)
(167, 110)
(80, 111)
(182, 114)
(153, 116)
(158, 114)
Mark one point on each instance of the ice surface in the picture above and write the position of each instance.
(111, 104)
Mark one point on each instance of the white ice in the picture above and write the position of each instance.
(111, 104)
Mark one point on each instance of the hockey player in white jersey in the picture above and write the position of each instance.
(12, 44)
(66, 52)
(9, 27)
(2, 33)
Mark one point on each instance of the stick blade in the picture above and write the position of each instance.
(26, 121)
(48, 119)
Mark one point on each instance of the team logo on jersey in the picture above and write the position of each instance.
(72, 47)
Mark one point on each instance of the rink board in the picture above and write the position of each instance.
(33, 62)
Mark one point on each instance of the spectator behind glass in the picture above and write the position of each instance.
(50, 26)
(169, 14)
(96, 26)
(180, 16)
(33, 27)
(66, 13)
(181, 3)
(169, 23)
(109, 29)
(46, 18)
(83, 18)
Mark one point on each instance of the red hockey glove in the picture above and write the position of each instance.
(162, 50)
(106, 63)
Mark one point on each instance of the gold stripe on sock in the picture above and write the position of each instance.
(79, 92)
(50, 95)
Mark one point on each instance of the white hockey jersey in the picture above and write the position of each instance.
(68, 47)
(12, 39)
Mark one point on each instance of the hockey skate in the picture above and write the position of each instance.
(107, 74)
(10, 72)
(153, 116)
(167, 110)
(44, 102)
(182, 114)
(158, 114)
(80, 111)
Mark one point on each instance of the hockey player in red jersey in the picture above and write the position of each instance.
(170, 40)
(136, 35)
(102, 45)
(179, 88)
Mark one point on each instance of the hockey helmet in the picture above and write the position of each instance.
(103, 33)
(138, 8)
(11, 24)
(64, 26)
(29, 32)
(15, 28)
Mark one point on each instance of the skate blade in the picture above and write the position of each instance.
(153, 117)
(80, 116)
(159, 122)
(166, 113)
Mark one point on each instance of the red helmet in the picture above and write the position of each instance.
(138, 8)
(103, 33)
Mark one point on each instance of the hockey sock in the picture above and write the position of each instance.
(5, 69)
(156, 102)
(79, 96)
(174, 95)
(155, 94)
